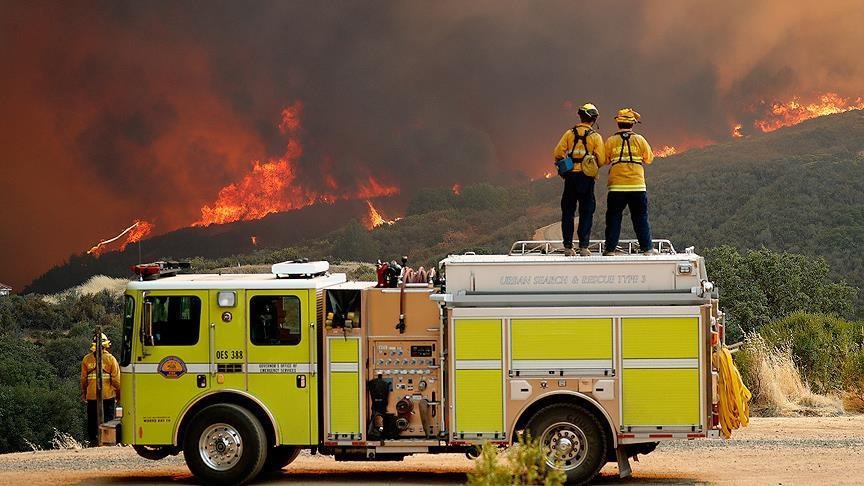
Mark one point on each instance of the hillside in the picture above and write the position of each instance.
(798, 189)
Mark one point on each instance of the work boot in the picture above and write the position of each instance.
(613, 253)
(569, 252)
(584, 252)
(651, 252)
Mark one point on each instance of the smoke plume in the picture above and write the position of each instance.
(116, 111)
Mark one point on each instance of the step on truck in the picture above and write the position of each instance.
(599, 358)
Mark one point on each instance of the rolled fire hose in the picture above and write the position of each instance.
(734, 398)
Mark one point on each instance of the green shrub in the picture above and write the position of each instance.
(759, 286)
(524, 464)
(827, 350)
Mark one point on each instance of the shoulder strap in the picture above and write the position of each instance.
(625, 139)
(575, 138)
(583, 138)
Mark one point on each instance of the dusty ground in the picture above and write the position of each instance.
(770, 451)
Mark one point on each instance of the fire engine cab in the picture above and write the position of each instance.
(599, 358)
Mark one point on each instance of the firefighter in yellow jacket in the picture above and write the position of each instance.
(577, 143)
(628, 153)
(110, 386)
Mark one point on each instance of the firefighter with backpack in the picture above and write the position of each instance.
(578, 155)
(628, 153)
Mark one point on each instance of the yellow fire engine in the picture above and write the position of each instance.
(599, 358)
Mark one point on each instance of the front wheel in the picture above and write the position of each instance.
(572, 440)
(225, 445)
(279, 457)
(155, 453)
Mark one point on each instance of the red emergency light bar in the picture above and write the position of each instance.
(155, 270)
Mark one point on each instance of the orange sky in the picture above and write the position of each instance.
(115, 111)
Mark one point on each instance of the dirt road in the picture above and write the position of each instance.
(770, 451)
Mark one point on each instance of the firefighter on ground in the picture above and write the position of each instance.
(578, 142)
(110, 386)
(628, 153)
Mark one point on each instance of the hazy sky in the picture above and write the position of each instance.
(117, 110)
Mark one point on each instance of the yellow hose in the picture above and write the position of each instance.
(734, 399)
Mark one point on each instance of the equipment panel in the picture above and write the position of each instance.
(411, 372)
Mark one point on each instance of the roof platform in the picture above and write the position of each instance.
(537, 273)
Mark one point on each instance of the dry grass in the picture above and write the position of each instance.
(777, 387)
(96, 284)
(65, 442)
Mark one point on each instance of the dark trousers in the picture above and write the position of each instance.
(578, 190)
(638, 204)
(92, 426)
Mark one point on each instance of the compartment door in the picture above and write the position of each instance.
(478, 396)
(343, 389)
(166, 373)
(280, 360)
(568, 346)
(660, 376)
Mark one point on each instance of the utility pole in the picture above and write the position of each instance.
(100, 412)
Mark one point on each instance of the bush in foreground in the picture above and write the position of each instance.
(524, 464)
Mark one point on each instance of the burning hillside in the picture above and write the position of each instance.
(179, 129)
(272, 186)
(134, 233)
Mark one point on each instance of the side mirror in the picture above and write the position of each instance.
(147, 325)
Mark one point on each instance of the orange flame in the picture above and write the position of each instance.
(795, 111)
(736, 131)
(271, 186)
(134, 233)
(666, 151)
(547, 175)
(457, 189)
(375, 219)
(254, 240)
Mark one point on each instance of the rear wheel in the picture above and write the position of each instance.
(572, 440)
(225, 445)
(279, 457)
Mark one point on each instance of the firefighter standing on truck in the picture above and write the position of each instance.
(628, 153)
(578, 142)
(110, 386)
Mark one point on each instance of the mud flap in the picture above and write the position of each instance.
(624, 470)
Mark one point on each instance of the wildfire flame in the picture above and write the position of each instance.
(374, 218)
(254, 240)
(271, 186)
(795, 111)
(736, 131)
(666, 151)
(134, 233)
(457, 189)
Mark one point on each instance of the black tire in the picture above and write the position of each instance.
(154, 453)
(280, 456)
(225, 445)
(553, 424)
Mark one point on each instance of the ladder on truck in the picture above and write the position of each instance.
(550, 247)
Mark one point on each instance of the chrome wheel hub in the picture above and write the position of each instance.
(564, 445)
(220, 447)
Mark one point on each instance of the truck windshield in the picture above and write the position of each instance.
(128, 325)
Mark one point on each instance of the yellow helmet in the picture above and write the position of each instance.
(105, 343)
(589, 110)
(628, 115)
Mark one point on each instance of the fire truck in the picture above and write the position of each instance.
(599, 358)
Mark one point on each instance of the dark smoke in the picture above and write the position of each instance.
(116, 110)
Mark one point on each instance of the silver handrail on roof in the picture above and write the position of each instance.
(550, 247)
